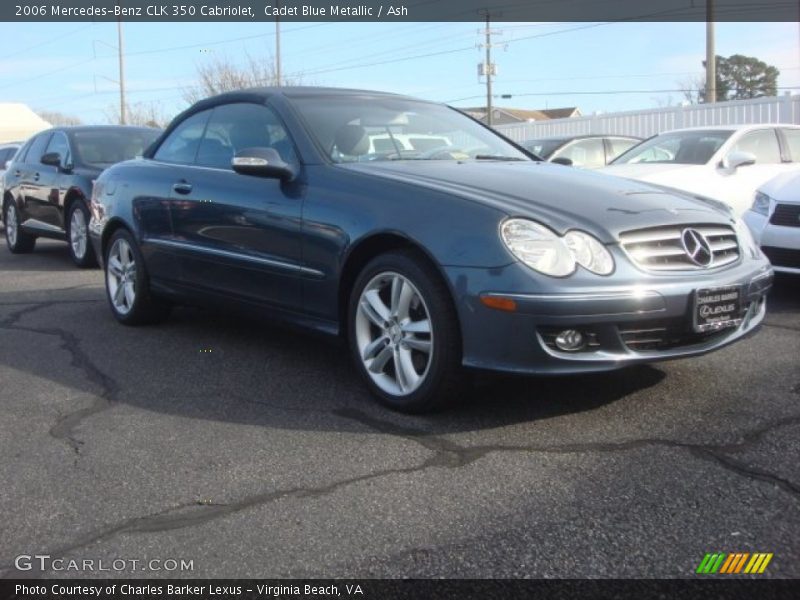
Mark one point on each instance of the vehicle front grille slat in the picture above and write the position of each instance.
(782, 257)
(664, 334)
(786, 215)
(662, 249)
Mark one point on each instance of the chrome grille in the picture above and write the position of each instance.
(661, 248)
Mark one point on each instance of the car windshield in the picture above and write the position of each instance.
(368, 129)
(680, 147)
(102, 148)
(544, 148)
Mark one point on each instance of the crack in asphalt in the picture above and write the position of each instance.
(445, 453)
(454, 455)
(64, 428)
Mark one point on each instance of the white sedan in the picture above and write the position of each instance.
(774, 220)
(727, 162)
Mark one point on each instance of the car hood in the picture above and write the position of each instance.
(652, 171)
(562, 197)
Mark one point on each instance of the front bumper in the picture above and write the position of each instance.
(645, 318)
(780, 243)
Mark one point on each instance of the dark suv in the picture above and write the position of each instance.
(48, 185)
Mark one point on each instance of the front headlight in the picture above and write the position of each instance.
(543, 250)
(761, 204)
(746, 241)
(589, 252)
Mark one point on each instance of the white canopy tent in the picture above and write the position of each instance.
(18, 122)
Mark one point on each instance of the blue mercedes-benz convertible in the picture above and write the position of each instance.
(426, 240)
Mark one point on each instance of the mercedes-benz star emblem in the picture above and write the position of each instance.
(697, 248)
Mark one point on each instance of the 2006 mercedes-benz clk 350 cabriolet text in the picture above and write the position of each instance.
(423, 238)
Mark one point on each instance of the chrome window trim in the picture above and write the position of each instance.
(237, 256)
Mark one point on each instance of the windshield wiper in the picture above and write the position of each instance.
(497, 157)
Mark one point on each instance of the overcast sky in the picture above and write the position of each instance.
(72, 67)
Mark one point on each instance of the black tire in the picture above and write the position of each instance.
(88, 259)
(23, 242)
(441, 382)
(144, 308)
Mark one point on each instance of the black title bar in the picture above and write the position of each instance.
(412, 10)
(716, 588)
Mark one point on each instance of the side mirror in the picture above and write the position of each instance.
(262, 162)
(52, 159)
(562, 160)
(737, 159)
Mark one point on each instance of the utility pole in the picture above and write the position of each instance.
(121, 52)
(488, 69)
(278, 49)
(711, 55)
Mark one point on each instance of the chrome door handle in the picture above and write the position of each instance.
(182, 187)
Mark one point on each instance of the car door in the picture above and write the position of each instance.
(586, 154)
(33, 174)
(615, 146)
(791, 143)
(51, 184)
(239, 234)
(738, 186)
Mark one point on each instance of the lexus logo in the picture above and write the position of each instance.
(697, 248)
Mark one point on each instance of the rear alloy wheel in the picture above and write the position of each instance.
(404, 335)
(18, 241)
(127, 285)
(78, 235)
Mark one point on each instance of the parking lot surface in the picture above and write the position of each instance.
(255, 451)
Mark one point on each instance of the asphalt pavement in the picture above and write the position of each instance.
(254, 451)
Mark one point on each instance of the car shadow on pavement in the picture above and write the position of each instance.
(207, 365)
(48, 255)
(785, 293)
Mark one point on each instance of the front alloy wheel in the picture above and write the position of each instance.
(394, 334)
(404, 333)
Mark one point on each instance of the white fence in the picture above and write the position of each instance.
(644, 123)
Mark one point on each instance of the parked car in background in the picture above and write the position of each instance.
(49, 183)
(585, 151)
(727, 162)
(774, 220)
(472, 254)
(7, 152)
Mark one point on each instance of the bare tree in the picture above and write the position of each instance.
(58, 119)
(224, 75)
(693, 89)
(145, 114)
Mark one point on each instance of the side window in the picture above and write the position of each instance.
(37, 148)
(585, 153)
(181, 145)
(20, 157)
(619, 145)
(233, 127)
(793, 141)
(5, 155)
(763, 144)
(58, 143)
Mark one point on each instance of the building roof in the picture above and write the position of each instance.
(18, 122)
(521, 114)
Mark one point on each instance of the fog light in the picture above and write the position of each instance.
(570, 340)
